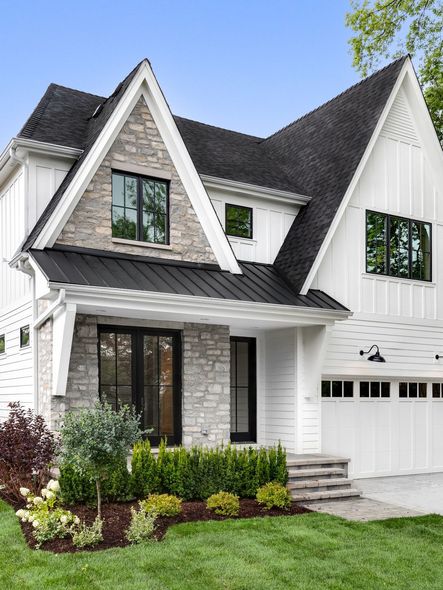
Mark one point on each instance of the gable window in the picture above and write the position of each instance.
(2, 344)
(140, 208)
(337, 388)
(238, 221)
(375, 389)
(398, 247)
(412, 390)
(24, 337)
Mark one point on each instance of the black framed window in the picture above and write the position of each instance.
(2, 344)
(140, 208)
(25, 339)
(142, 367)
(437, 390)
(412, 390)
(375, 389)
(238, 221)
(337, 389)
(398, 247)
(243, 389)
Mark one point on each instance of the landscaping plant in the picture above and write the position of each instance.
(88, 536)
(142, 526)
(48, 520)
(94, 441)
(27, 449)
(274, 495)
(224, 503)
(162, 504)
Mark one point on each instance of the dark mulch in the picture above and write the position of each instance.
(116, 519)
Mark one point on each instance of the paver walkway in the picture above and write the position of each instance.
(362, 509)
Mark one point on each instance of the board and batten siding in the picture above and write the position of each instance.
(16, 364)
(271, 222)
(279, 396)
(404, 317)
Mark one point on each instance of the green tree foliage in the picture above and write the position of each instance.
(94, 441)
(386, 29)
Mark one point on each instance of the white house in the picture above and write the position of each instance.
(225, 284)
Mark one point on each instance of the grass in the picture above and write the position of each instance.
(312, 552)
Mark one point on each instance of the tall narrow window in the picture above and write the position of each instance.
(398, 247)
(2, 344)
(140, 208)
(238, 221)
(24, 337)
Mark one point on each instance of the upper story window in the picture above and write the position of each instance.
(140, 208)
(398, 247)
(238, 221)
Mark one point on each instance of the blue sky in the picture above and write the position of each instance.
(248, 65)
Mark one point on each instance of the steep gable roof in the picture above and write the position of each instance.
(322, 151)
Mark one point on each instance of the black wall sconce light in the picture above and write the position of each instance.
(376, 357)
(437, 356)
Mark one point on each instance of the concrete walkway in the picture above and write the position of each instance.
(423, 493)
(362, 509)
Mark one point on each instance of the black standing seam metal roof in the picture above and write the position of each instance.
(317, 155)
(260, 283)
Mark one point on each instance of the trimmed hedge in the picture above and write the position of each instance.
(199, 472)
(80, 489)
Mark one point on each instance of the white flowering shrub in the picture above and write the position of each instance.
(142, 526)
(48, 520)
(88, 536)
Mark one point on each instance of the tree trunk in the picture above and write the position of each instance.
(99, 498)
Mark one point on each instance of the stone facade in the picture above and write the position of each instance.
(139, 143)
(205, 376)
(206, 384)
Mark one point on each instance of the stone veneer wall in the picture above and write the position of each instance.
(138, 143)
(206, 377)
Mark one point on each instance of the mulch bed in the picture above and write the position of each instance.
(116, 519)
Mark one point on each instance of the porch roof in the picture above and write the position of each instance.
(260, 283)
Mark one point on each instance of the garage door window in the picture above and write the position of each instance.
(337, 389)
(375, 389)
(437, 390)
(412, 390)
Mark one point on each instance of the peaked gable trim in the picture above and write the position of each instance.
(406, 70)
(143, 84)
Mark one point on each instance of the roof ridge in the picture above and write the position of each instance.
(34, 118)
(349, 89)
(221, 128)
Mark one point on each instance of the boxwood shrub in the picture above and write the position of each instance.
(199, 472)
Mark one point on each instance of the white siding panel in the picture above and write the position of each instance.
(16, 365)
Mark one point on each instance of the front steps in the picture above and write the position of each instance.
(319, 477)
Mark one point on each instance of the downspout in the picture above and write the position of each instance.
(51, 310)
(24, 163)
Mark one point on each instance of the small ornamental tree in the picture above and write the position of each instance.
(93, 441)
(27, 449)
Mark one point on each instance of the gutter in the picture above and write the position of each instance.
(50, 311)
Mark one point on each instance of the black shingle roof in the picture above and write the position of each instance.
(259, 283)
(317, 155)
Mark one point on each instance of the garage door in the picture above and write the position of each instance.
(385, 428)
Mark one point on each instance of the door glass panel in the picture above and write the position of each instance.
(242, 390)
(116, 368)
(166, 411)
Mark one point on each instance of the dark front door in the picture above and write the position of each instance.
(143, 367)
(243, 390)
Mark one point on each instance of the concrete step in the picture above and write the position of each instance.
(318, 485)
(316, 473)
(313, 461)
(297, 496)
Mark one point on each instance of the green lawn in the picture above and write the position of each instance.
(312, 551)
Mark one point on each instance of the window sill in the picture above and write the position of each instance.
(405, 281)
(141, 244)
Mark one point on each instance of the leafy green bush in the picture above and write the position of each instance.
(224, 503)
(162, 504)
(79, 488)
(199, 472)
(88, 536)
(94, 441)
(142, 526)
(274, 495)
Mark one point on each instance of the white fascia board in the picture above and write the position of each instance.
(350, 190)
(252, 190)
(144, 84)
(188, 305)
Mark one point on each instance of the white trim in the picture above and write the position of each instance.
(144, 84)
(252, 190)
(406, 69)
(62, 334)
(122, 299)
(141, 244)
(142, 170)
